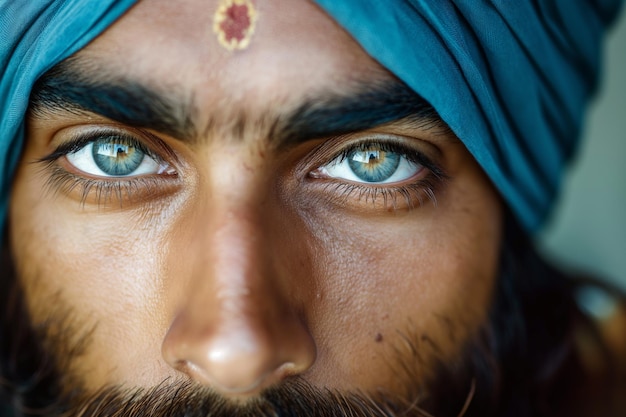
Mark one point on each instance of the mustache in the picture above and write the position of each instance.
(295, 398)
(34, 363)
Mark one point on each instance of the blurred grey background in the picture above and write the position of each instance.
(588, 228)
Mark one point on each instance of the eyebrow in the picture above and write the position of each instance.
(66, 87)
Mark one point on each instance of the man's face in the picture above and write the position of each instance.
(243, 218)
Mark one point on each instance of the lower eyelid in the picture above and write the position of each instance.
(114, 193)
(321, 176)
(376, 199)
(107, 192)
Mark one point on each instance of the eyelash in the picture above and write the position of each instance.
(104, 190)
(424, 188)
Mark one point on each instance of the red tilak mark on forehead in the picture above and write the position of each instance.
(236, 23)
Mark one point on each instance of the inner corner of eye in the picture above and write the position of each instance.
(166, 169)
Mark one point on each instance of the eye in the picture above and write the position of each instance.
(378, 174)
(370, 164)
(115, 156)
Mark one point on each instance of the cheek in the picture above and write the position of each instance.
(99, 269)
(419, 280)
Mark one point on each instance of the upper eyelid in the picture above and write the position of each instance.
(334, 148)
(77, 138)
(385, 146)
(412, 144)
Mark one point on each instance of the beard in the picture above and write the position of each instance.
(184, 399)
(294, 397)
(39, 363)
(35, 361)
(492, 375)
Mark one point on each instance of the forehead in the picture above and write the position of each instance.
(296, 50)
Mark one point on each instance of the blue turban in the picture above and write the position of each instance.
(34, 36)
(510, 77)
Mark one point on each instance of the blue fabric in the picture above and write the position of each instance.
(510, 77)
(35, 35)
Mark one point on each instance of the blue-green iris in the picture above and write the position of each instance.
(373, 165)
(117, 157)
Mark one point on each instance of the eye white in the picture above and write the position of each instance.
(340, 168)
(82, 159)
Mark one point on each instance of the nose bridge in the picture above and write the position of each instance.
(235, 255)
(237, 329)
(235, 270)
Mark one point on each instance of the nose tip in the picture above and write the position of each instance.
(240, 359)
(241, 367)
(226, 384)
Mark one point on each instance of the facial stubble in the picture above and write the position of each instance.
(46, 351)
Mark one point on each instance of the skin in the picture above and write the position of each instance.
(246, 267)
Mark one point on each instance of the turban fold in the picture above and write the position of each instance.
(510, 77)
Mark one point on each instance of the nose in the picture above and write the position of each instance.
(239, 329)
